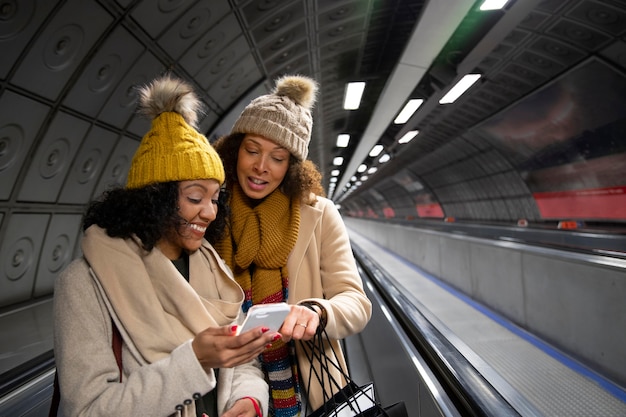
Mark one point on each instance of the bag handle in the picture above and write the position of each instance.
(314, 350)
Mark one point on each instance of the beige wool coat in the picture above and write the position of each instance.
(322, 268)
(88, 373)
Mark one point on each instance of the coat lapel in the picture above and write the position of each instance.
(310, 216)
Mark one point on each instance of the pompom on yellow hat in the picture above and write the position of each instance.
(172, 150)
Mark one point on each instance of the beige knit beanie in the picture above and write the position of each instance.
(172, 150)
(284, 115)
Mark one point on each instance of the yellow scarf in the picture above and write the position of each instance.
(256, 248)
(262, 237)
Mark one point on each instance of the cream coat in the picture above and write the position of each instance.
(89, 374)
(322, 268)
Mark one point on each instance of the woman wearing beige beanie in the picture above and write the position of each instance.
(285, 241)
(145, 320)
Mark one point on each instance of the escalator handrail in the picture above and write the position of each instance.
(25, 372)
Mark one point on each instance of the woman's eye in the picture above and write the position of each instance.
(214, 201)
(194, 200)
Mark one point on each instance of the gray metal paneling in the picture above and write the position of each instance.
(57, 251)
(579, 307)
(20, 119)
(20, 253)
(19, 24)
(498, 280)
(210, 44)
(61, 47)
(116, 169)
(123, 101)
(53, 159)
(103, 73)
(88, 165)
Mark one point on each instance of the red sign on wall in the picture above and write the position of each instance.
(429, 210)
(599, 203)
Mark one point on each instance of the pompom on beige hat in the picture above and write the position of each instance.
(284, 115)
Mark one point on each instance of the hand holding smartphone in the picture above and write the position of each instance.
(271, 316)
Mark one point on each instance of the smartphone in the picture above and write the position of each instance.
(267, 315)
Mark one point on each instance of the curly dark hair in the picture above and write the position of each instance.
(148, 212)
(302, 177)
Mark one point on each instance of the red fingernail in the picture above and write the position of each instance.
(276, 337)
(265, 329)
(269, 345)
(233, 328)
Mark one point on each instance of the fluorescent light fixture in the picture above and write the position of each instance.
(372, 170)
(364, 178)
(343, 140)
(376, 150)
(352, 99)
(353, 179)
(493, 4)
(334, 172)
(455, 92)
(333, 179)
(384, 158)
(361, 168)
(408, 136)
(338, 161)
(409, 108)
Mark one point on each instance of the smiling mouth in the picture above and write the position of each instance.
(197, 228)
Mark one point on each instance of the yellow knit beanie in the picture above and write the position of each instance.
(284, 115)
(172, 150)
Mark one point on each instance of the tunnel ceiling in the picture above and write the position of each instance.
(69, 69)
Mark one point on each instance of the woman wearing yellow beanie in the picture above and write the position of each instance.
(285, 241)
(146, 318)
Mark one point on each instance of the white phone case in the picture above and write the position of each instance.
(266, 315)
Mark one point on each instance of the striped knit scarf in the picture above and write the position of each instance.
(256, 247)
